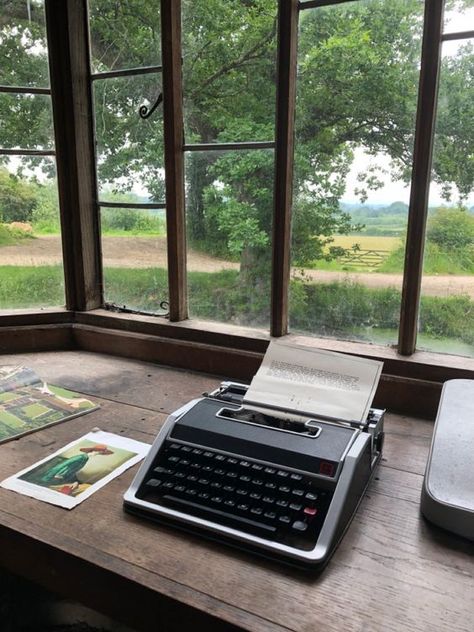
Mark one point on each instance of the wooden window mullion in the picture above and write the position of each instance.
(174, 157)
(284, 146)
(420, 181)
(68, 48)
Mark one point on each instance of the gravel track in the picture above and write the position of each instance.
(146, 252)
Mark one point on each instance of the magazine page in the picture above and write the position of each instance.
(76, 471)
(29, 408)
(315, 382)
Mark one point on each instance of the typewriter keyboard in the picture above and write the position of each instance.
(268, 501)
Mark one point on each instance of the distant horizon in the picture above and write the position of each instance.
(371, 203)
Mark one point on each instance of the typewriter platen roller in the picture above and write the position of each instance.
(284, 487)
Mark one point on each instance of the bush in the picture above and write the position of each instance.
(45, 216)
(451, 317)
(131, 221)
(334, 308)
(451, 229)
(17, 198)
(10, 235)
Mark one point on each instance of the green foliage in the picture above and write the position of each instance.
(386, 221)
(17, 198)
(30, 286)
(449, 246)
(238, 203)
(142, 290)
(450, 317)
(335, 309)
(436, 261)
(453, 161)
(452, 229)
(131, 221)
(45, 216)
(6, 238)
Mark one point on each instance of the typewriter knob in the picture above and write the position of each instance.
(379, 440)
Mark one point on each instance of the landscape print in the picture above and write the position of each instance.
(28, 404)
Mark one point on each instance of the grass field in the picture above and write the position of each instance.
(367, 242)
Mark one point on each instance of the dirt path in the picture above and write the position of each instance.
(146, 252)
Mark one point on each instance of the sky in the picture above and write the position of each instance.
(391, 191)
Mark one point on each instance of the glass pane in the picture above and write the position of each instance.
(124, 34)
(447, 304)
(25, 121)
(129, 148)
(31, 270)
(135, 258)
(358, 67)
(229, 197)
(229, 68)
(23, 44)
(458, 16)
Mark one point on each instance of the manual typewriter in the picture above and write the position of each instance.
(284, 488)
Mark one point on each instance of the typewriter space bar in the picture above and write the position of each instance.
(231, 519)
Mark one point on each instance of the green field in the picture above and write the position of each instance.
(10, 420)
(367, 242)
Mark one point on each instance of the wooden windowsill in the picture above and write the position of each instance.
(409, 385)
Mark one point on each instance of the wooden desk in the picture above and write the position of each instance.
(392, 570)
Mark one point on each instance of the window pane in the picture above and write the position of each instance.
(25, 121)
(124, 34)
(229, 197)
(229, 67)
(358, 67)
(459, 16)
(31, 271)
(129, 148)
(134, 258)
(447, 303)
(23, 44)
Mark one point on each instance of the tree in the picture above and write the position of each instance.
(454, 141)
(25, 120)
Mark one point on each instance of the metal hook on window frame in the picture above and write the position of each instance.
(146, 112)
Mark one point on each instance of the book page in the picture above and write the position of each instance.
(314, 382)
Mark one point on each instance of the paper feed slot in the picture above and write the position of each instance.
(254, 416)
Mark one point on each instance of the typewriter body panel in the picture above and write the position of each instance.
(284, 488)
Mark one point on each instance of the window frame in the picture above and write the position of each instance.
(207, 345)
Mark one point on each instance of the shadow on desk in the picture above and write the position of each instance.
(26, 607)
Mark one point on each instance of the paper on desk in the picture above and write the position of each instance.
(314, 382)
(79, 469)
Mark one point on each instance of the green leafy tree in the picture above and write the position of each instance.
(454, 141)
(25, 120)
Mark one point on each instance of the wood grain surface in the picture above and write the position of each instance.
(392, 571)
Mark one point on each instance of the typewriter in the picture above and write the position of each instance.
(281, 487)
